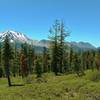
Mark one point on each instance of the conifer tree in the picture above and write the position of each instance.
(23, 63)
(54, 47)
(45, 60)
(58, 34)
(92, 59)
(1, 69)
(15, 66)
(38, 67)
(66, 63)
(76, 63)
(31, 56)
(1, 72)
(7, 56)
(97, 60)
(71, 58)
(62, 35)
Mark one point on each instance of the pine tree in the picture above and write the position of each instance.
(82, 62)
(45, 60)
(1, 72)
(66, 63)
(86, 60)
(92, 59)
(38, 67)
(54, 47)
(97, 60)
(23, 62)
(71, 58)
(31, 56)
(77, 64)
(1, 69)
(62, 35)
(18, 62)
(7, 56)
(58, 34)
(15, 65)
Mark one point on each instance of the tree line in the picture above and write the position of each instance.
(58, 58)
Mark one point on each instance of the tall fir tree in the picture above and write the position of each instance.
(23, 61)
(7, 56)
(77, 64)
(71, 58)
(58, 34)
(63, 33)
(15, 61)
(31, 56)
(38, 66)
(45, 60)
(97, 59)
(1, 69)
(54, 47)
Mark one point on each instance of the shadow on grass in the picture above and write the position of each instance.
(17, 85)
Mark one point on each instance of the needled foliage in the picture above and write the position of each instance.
(31, 58)
(24, 60)
(7, 56)
(38, 67)
(58, 34)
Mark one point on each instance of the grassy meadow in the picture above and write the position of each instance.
(51, 87)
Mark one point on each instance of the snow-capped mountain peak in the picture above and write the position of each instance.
(14, 36)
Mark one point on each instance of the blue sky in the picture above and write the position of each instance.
(35, 17)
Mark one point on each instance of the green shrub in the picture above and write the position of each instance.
(91, 90)
(93, 76)
(29, 79)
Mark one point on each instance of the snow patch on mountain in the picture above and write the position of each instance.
(14, 36)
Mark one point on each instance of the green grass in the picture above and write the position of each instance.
(50, 87)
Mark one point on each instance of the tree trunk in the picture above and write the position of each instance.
(9, 81)
(8, 76)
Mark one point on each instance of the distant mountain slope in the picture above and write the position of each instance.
(38, 45)
(74, 45)
(14, 36)
(82, 46)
